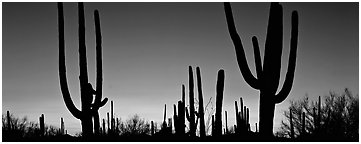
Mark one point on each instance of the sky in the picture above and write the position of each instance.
(147, 48)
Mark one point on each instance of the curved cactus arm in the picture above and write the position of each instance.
(82, 46)
(257, 57)
(62, 68)
(99, 65)
(286, 89)
(241, 58)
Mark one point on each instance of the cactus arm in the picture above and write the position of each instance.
(241, 58)
(257, 57)
(62, 68)
(82, 46)
(187, 115)
(286, 89)
(183, 94)
(99, 65)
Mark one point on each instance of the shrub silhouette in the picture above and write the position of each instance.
(337, 118)
(16, 129)
(88, 110)
(268, 74)
(135, 126)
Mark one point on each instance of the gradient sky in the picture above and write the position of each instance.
(147, 48)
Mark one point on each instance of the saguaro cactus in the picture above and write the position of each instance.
(219, 101)
(202, 128)
(62, 128)
(88, 109)
(42, 125)
(191, 118)
(268, 75)
(292, 134)
(9, 120)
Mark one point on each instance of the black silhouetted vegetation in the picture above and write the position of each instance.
(335, 118)
(89, 110)
(268, 74)
(21, 129)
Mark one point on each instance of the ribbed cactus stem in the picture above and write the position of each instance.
(219, 101)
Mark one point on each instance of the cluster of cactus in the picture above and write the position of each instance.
(112, 123)
(89, 110)
(242, 118)
(166, 128)
(181, 112)
(179, 115)
(268, 74)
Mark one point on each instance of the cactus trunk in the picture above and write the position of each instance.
(202, 128)
(9, 120)
(42, 125)
(219, 101)
(192, 126)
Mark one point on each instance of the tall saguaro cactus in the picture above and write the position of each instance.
(202, 128)
(191, 118)
(88, 109)
(268, 74)
(219, 101)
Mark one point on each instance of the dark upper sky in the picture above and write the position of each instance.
(147, 48)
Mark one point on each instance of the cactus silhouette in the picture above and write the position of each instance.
(62, 128)
(292, 134)
(42, 125)
(179, 119)
(202, 128)
(8, 120)
(219, 101)
(191, 118)
(88, 110)
(268, 75)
